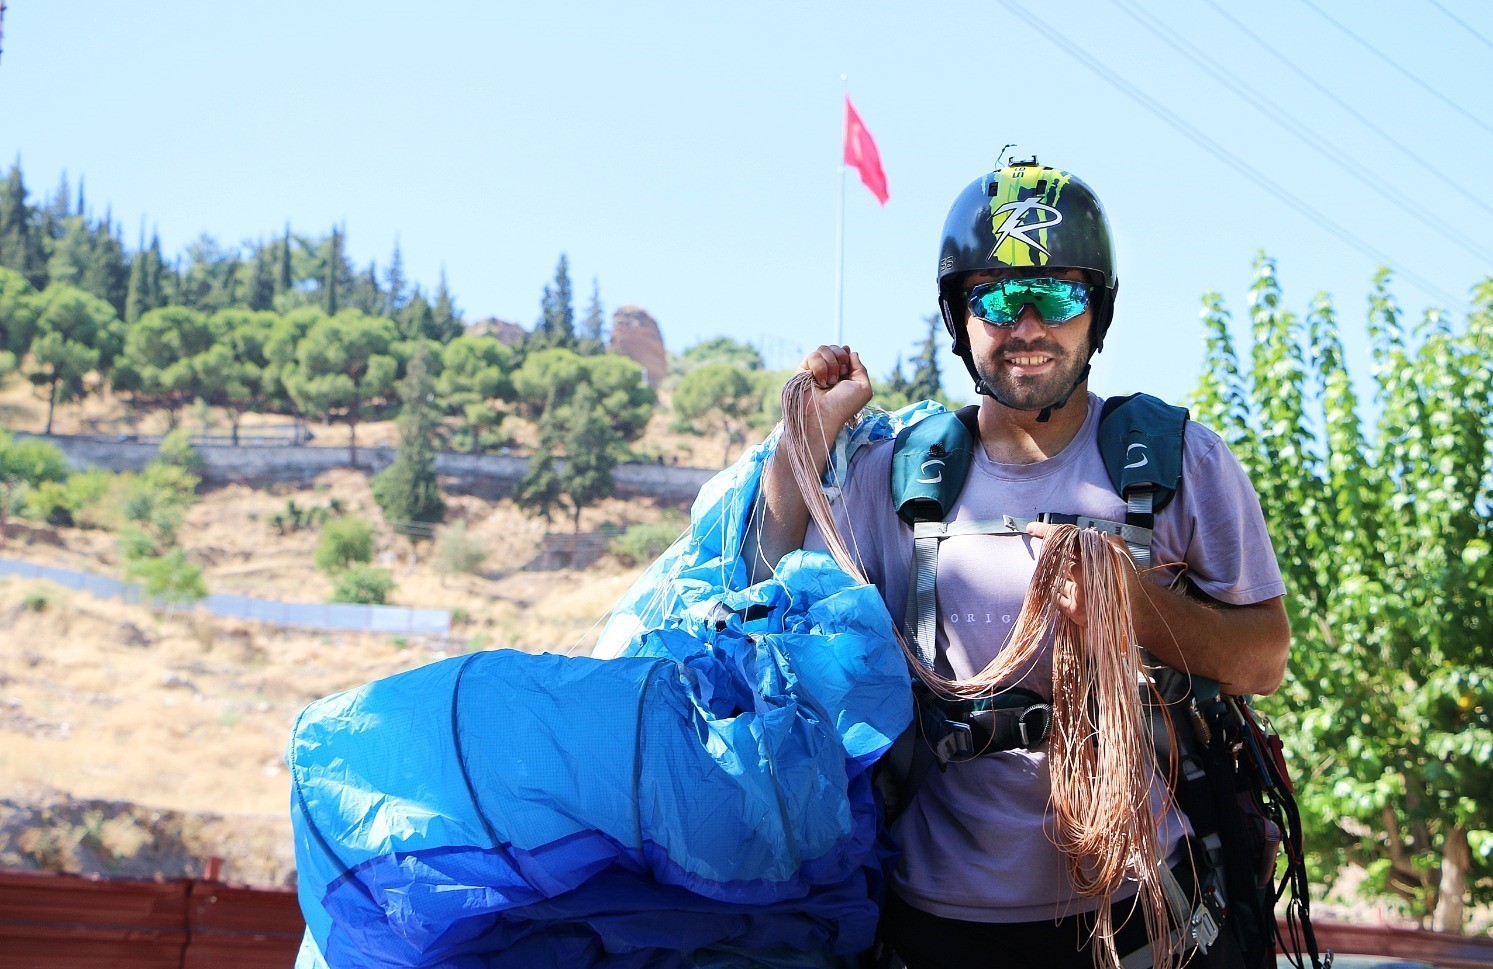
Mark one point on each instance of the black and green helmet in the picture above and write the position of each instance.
(1026, 216)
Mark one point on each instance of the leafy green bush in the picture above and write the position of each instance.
(295, 517)
(363, 584)
(36, 600)
(176, 451)
(457, 551)
(156, 510)
(170, 576)
(50, 502)
(344, 542)
(30, 461)
(86, 494)
(644, 543)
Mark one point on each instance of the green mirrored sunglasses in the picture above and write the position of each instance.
(1056, 300)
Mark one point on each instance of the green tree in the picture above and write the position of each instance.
(593, 332)
(474, 384)
(721, 396)
(540, 490)
(345, 541)
(407, 490)
(395, 284)
(446, 323)
(231, 374)
(556, 327)
(552, 377)
(1384, 542)
(76, 335)
(170, 577)
(19, 308)
(343, 366)
(721, 349)
(163, 358)
(261, 292)
(25, 464)
(593, 448)
(927, 382)
(21, 239)
(363, 585)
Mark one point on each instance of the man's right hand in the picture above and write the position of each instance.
(841, 386)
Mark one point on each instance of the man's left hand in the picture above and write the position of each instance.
(1070, 594)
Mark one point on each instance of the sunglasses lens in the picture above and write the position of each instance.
(1056, 300)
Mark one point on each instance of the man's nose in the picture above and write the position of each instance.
(1029, 324)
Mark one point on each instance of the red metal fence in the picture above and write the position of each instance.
(51, 921)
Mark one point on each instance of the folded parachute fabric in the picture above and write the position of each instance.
(701, 798)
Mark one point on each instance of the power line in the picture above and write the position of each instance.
(1461, 23)
(1180, 125)
(1394, 64)
(1326, 149)
(1363, 119)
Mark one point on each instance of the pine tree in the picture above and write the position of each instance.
(593, 327)
(407, 490)
(334, 269)
(592, 444)
(286, 280)
(557, 313)
(447, 323)
(20, 241)
(261, 295)
(396, 285)
(540, 490)
(135, 295)
(926, 383)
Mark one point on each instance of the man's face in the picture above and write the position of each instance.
(1031, 365)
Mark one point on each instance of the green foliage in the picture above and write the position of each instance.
(344, 542)
(343, 366)
(556, 326)
(721, 396)
(927, 382)
(407, 490)
(294, 518)
(474, 384)
(540, 490)
(176, 451)
(642, 543)
(36, 600)
(169, 576)
(593, 448)
(76, 334)
(30, 461)
(721, 349)
(1383, 540)
(50, 502)
(363, 585)
(19, 308)
(548, 381)
(163, 353)
(456, 551)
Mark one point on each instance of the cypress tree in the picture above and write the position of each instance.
(407, 490)
(397, 284)
(334, 266)
(20, 243)
(926, 382)
(286, 279)
(261, 294)
(447, 323)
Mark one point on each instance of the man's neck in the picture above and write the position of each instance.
(1012, 436)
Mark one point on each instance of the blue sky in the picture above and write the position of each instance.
(687, 154)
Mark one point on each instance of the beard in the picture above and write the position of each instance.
(1034, 391)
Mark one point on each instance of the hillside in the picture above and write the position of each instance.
(140, 744)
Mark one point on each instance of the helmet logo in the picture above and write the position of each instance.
(1012, 227)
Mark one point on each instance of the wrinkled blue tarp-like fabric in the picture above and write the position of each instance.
(695, 794)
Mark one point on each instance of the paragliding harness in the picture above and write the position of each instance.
(1230, 778)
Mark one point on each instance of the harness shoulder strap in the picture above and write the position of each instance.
(930, 460)
(1140, 439)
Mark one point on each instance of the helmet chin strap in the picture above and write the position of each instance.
(1045, 414)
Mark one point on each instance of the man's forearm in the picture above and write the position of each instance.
(1244, 648)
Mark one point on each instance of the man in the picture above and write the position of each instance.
(1027, 285)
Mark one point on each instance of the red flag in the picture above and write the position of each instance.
(861, 154)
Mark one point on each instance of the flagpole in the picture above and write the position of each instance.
(840, 231)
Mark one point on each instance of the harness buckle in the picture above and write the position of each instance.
(1038, 733)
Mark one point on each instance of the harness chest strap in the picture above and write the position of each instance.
(920, 617)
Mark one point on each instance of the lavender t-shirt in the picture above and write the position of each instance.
(977, 839)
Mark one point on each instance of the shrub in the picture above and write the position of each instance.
(86, 491)
(158, 510)
(36, 600)
(645, 542)
(363, 584)
(344, 542)
(50, 502)
(29, 461)
(457, 551)
(171, 576)
(176, 451)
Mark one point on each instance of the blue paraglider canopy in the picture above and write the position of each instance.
(702, 797)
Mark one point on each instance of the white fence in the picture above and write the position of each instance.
(399, 620)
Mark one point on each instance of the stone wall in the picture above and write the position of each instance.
(493, 475)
